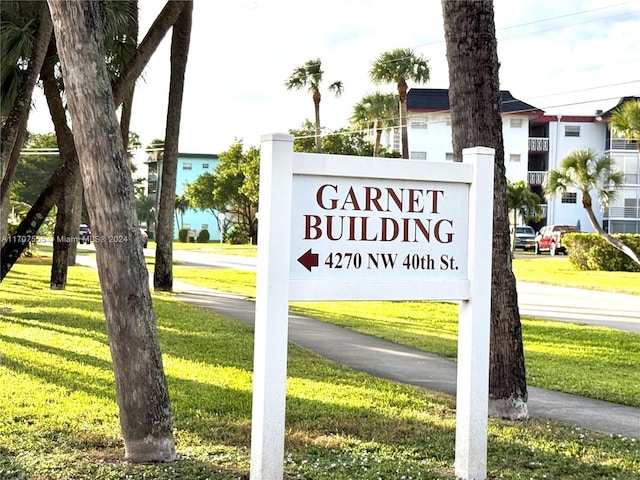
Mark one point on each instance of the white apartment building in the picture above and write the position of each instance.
(534, 143)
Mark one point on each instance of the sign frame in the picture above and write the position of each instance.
(274, 289)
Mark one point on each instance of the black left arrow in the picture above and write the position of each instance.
(309, 259)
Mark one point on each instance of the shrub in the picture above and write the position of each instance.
(590, 251)
(203, 236)
(236, 235)
(183, 235)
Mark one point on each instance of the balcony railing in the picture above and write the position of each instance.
(622, 212)
(538, 144)
(543, 210)
(621, 144)
(536, 178)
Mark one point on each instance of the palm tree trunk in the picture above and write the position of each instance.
(402, 95)
(474, 96)
(163, 272)
(141, 388)
(316, 104)
(376, 147)
(5, 185)
(21, 106)
(50, 195)
(163, 22)
(613, 241)
(68, 215)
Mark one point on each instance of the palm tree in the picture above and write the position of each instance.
(181, 206)
(310, 76)
(398, 66)
(584, 171)
(521, 200)
(626, 121)
(55, 187)
(377, 110)
(180, 40)
(141, 386)
(472, 57)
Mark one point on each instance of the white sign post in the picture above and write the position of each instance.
(359, 228)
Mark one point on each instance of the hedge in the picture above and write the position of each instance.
(590, 251)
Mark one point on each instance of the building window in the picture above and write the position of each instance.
(205, 165)
(569, 197)
(418, 155)
(419, 122)
(448, 157)
(514, 157)
(572, 130)
(186, 166)
(515, 123)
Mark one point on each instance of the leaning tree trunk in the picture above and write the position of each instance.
(50, 195)
(141, 387)
(5, 185)
(474, 96)
(163, 272)
(20, 110)
(587, 203)
(67, 216)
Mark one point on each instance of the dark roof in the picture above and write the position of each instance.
(437, 99)
(622, 101)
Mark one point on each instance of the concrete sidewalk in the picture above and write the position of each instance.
(406, 365)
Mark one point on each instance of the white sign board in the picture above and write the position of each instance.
(378, 228)
(358, 228)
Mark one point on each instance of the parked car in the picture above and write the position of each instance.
(84, 233)
(549, 239)
(145, 237)
(525, 238)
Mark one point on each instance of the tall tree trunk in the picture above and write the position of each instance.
(127, 103)
(316, 109)
(163, 272)
(68, 215)
(50, 195)
(22, 103)
(402, 95)
(376, 147)
(5, 185)
(474, 96)
(141, 388)
(145, 50)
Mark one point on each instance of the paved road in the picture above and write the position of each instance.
(589, 307)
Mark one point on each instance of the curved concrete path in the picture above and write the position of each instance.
(407, 365)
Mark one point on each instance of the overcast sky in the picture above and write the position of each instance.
(569, 56)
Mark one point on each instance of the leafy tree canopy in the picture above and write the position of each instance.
(232, 190)
(342, 141)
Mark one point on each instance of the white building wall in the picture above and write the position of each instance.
(561, 144)
(515, 134)
(430, 136)
(430, 139)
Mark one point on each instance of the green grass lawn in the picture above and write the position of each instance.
(559, 271)
(59, 418)
(596, 362)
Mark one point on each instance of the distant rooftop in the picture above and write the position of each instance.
(437, 99)
(622, 101)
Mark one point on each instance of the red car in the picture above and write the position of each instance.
(549, 239)
(145, 237)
